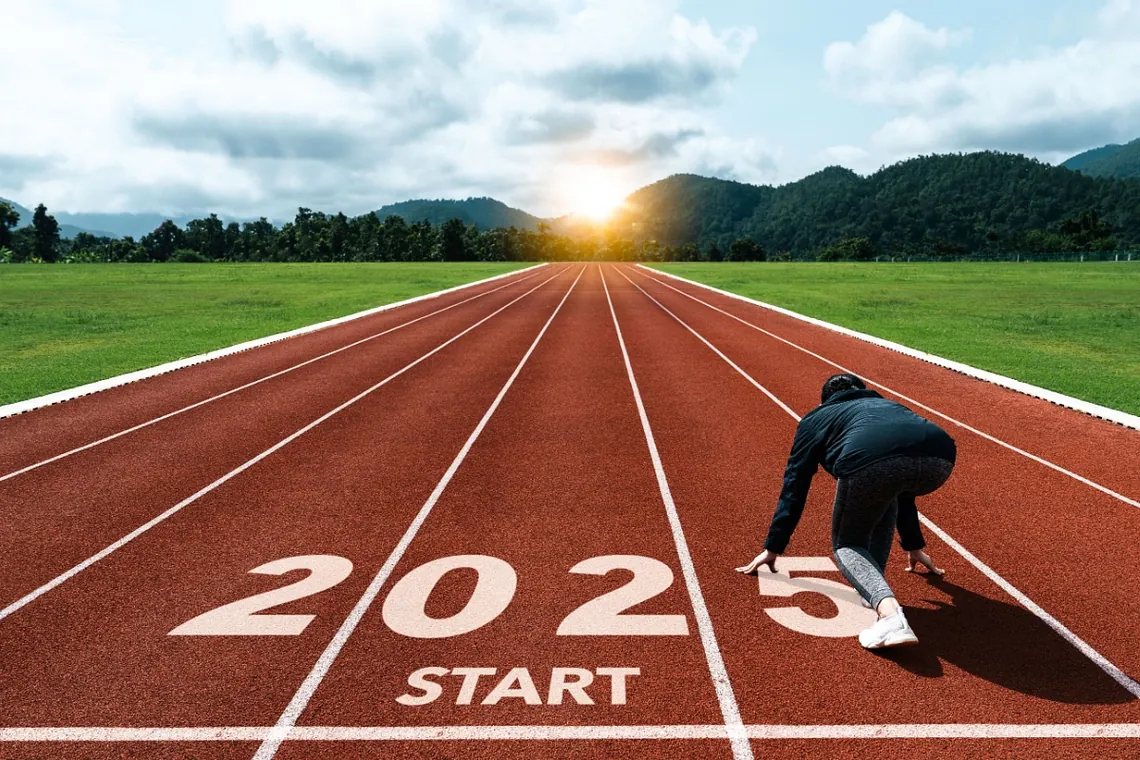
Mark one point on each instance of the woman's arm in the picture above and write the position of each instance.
(801, 468)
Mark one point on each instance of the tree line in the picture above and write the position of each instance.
(942, 207)
(316, 236)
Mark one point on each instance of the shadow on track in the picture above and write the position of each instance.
(1002, 643)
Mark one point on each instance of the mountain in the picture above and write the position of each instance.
(975, 200)
(1119, 161)
(484, 213)
(66, 231)
(119, 225)
(25, 214)
(687, 207)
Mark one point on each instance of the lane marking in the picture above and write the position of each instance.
(287, 722)
(232, 391)
(741, 750)
(1095, 410)
(959, 423)
(580, 733)
(1102, 662)
(63, 577)
(1093, 655)
(113, 382)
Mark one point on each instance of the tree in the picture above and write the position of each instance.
(22, 244)
(453, 240)
(161, 244)
(85, 247)
(46, 235)
(395, 244)
(746, 249)
(422, 242)
(207, 237)
(127, 250)
(232, 239)
(257, 241)
(311, 236)
(338, 237)
(713, 253)
(688, 252)
(848, 249)
(9, 218)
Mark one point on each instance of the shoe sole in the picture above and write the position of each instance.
(899, 639)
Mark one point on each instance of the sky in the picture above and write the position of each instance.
(256, 107)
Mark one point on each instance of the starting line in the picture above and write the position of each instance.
(572, 733)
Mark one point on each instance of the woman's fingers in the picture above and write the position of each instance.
(761, 559)
(922, 558)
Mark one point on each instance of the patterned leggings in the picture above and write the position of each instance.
(867, 508)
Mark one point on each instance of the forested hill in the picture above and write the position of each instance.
(975, 201)
(1119, 161)
(484, 213)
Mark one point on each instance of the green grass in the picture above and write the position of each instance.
(1071, 328)
(66, 325)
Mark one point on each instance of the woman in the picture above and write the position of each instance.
(882, 455)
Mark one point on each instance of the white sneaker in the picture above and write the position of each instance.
(890, 631)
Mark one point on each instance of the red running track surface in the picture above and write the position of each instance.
(503, 460)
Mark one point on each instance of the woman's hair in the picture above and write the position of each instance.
(837, 383)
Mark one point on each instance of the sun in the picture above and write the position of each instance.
(593, 193)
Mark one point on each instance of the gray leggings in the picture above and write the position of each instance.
(867, 510)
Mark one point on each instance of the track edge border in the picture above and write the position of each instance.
(1116, 416)
(58, 397)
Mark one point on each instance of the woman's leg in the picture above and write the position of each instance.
(883, 535)
(865, 510)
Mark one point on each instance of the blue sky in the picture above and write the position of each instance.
(781, 91)
(252, 107)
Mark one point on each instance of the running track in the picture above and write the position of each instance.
(487, 442)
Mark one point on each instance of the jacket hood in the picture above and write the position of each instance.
(850, 395)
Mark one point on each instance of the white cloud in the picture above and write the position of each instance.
(853, 157)
(348, 104)
(1051, 105)
(890, 50)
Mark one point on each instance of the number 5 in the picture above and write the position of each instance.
(851, 618)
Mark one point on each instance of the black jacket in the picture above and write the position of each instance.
(851, 430)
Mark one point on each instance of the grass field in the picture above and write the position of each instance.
(65, 325)
(1072, 328)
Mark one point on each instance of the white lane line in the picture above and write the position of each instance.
(1060, 399)
(1114, 672)
(288, 720)
(63, 577)
(28, 405)
(116, 734)
(741, 750)
(959, 423)
(580, 733)
(232, 391)
(1111, 670)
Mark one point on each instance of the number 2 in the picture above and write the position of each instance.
(602, 616)
(239, 618)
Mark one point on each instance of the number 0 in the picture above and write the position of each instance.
(404, 608)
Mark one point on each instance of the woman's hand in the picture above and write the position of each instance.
(764, 558)
(919, 557)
